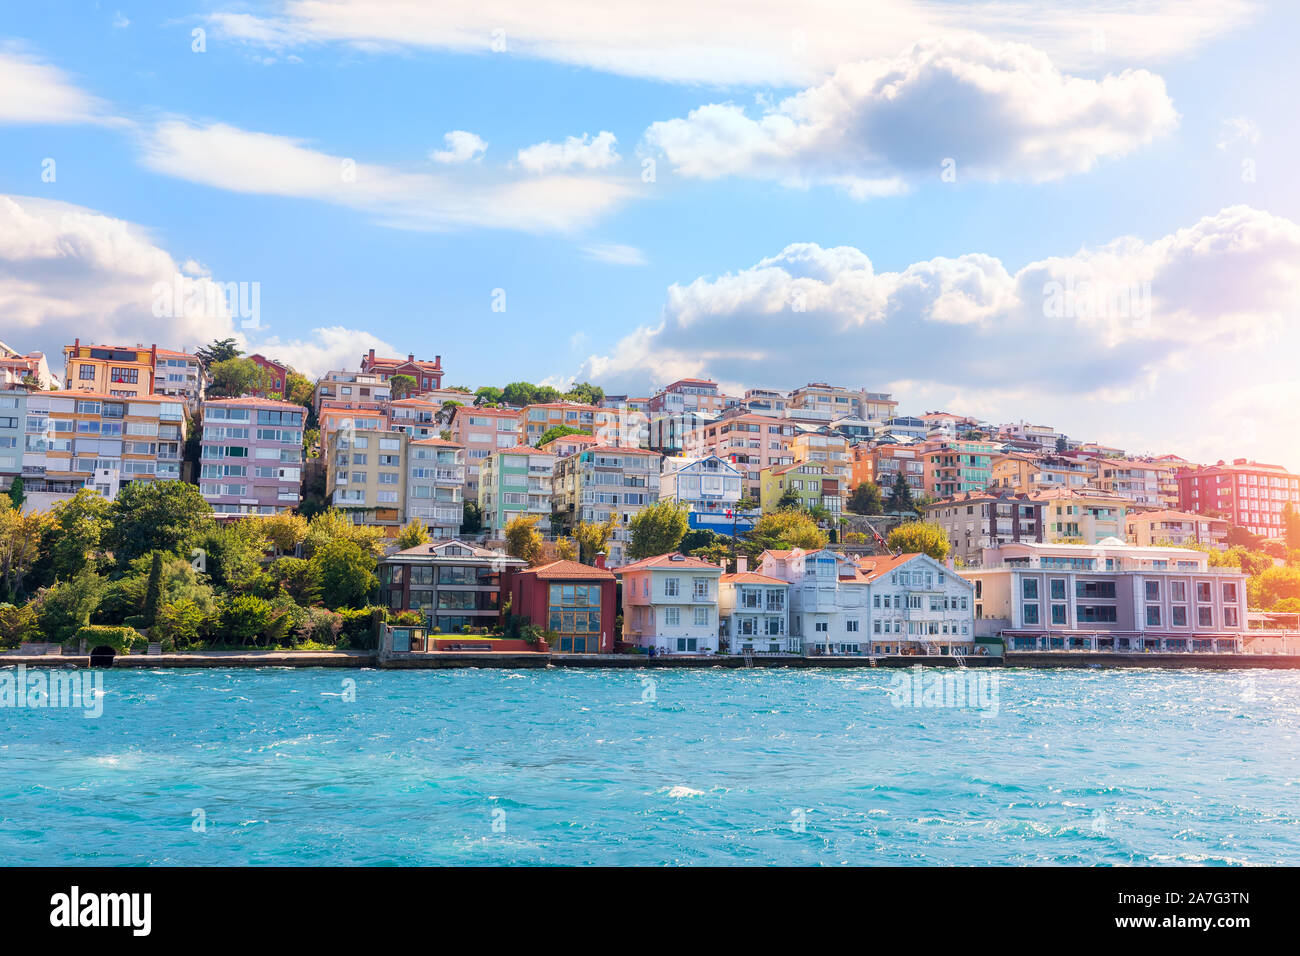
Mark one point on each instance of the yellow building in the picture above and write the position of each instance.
(1082, 517)
(832, 451)
(116, 371)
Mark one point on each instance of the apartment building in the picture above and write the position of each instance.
(332, 419)
(435, 485)
(607, 424)
(1110, 596)
(567, 445)
(1249, 494)
(353, 391)
(365, 476)
(601, 481)
(670, 604)
(809, 481)
(978, 520)
(576, 604)
(84, 439)
(1085, 516)
(17, 368)
(765, 401)
(710, 488)
(1030, 472)
(890, 461)
(862, 466)
(956, 467)
(1042, 436)
(1132, 478)
(419, 417)
(690, 395)
(112, 370)
(454, 584)
(829, 402)
(515, 482)
(750, 442)
(251, 458)
(1179, 528)
(13, 418)
(180, 375)
(827, 448)
(754, 612)
(482, 432)
(890, 604)
(427, 375)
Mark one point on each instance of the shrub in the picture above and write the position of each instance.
(244, 618)
(121, 639)
(321, 626)
(359, 627)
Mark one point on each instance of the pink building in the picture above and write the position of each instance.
(251, 459)
(482, 431)
(750, 442)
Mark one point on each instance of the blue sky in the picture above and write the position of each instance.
(221, 159)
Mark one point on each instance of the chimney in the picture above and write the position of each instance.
(410, 357)
(437, 360)
(742, 563)
(600, 560)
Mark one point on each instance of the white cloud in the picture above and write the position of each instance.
(584, 152)
(461, 148)
(1166, 325)
(615, 254)
(32, 91)
(242, 161)
(120, 21)
(1237, 128)
(988, 110)
(743, 41)
(68, 272)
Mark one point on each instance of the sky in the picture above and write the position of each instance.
(1016, 211)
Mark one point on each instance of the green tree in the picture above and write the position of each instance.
(16, 494)
(347, 574)
(333, 525)
(239, 376)
(900, 496)
(153, 590)
(66, 607)
(789, 499)
(922, 537)
(472, 522)
(219, 351)
(566, 549)
(20, 545)
(785, 529)
(413, 535)
(75, 530)
(156, 516)
(593, 537)
(403, 386)
(487, 395)
(559, 431)
(866, 499)
(17, 624)
(586, 393)
(298, 578)
(179, 623)
(245, 618)
(1272, 585)
(233, 553)
(523, 540)
(658, 529)
(285, 531)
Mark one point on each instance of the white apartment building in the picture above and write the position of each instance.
(670, 604)
(435, 485)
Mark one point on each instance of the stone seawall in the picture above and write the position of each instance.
(1048, 659)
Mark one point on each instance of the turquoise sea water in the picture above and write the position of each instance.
(803, 767)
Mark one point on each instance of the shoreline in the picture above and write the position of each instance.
(442, 660)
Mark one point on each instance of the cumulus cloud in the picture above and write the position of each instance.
(1209, 303)
(584, 152)
(970, 106)
(461, 148)
(69, 272)
(239, 160)
(33, 91)
(740, 41)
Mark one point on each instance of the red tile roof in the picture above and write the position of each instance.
(570, 570)
(666, 561)
(751, 577)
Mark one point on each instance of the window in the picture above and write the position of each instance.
(1229, 593)
(1178, 591)
(1203, 592)
(1058, 613)
(1153, 590)
(701, 617)
(1178, 616)
(1030, 613)
(1153, 615)
(1029, 589)
(672, 587)
(851, 626)
(673, 616)
(1205, 617)
(821, 627)
(1229, 617)
(1058, 589)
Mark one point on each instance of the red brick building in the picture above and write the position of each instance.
(279, 382)
(427, 375)
(575, 601)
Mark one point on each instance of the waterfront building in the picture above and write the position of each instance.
(1153, 528)
(576, 604)
(601, 481)
(670, 603)
(710, 488)
(1082, 516)
(251, 456)
(887, 604)
(483, 431)
(61, 442)
(435, 485)
(754, 612)
(978, 520)
(112, 370)
(427, 375)
(454, 584)
(905, 427)
(420, 418)
(1108, 596)
(515, 482)
(1249, 494)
